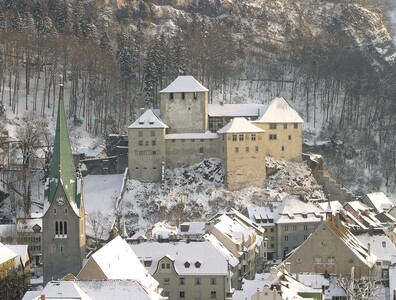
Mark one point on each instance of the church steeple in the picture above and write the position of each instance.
(62, 165)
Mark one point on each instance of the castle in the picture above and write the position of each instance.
(187, 129)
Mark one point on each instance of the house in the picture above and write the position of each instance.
(287, 223)
(195, 270)
(379, 201)
(243, 241)
(332, 249)
(277, 285)
(187, 130)
(7, 260)
(30, 233)
(22, 262)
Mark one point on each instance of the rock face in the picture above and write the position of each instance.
(283, 26)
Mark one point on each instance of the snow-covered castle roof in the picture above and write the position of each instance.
(184, 84)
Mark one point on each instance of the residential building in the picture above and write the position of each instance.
(195, 270)
(332, 249)
(7, 260)
(378, 201)
(22, 262)
(187, 130)
(287, 223)
(63, 240)
(117, 261)
(30, 233)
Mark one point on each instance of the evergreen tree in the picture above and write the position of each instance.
(125, 58)
(58, 10)
(150, 78)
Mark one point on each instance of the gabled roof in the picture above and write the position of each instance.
(239, 125)
(195, 258)
(22, 252)
(148, 120)
(380, 245)
(6, 253)
(379, 201)
(64, 290)
(117, 261)
(62, 164)
(279, 111)
(186, 84)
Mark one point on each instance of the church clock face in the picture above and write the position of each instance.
(60, 201)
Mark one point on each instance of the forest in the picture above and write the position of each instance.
(116, 55)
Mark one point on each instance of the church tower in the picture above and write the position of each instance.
(64, 215)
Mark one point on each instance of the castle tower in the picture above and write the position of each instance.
(184, 106)
(63, 242)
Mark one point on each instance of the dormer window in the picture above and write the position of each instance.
(186, 264)
(197, 264)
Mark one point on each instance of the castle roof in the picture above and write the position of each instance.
(148, 120)
(279, 111)
(239, 125)
(236, 110)
(186, 84)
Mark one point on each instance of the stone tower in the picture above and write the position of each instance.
(64, 215)
(184, 106)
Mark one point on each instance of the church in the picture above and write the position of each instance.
(63, 242)
(187, 129)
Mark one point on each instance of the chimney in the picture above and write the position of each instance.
(371, 230)
(42, 297)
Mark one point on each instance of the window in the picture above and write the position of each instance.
(272, 246)
(241, 137)
(140, 133)
(201, 150)
(213, 295)
(56, 227)
(284, 126)
(147, 263)
(295, 125)
(195, 95)
(152, 133)
(272, 136)
(318, 260)
(286, 228)
(183, 140)
(294, 227)
(54, 211)
(256, 148)
(286, 238)
(171, 96)
(213, 281)
(154, 152)
(197, 280)
(236, 149)
(182, 295)
(384, 244)
(272, 126)
(166, 281)
(153, 143)
(66, 211)
(173, 141)
(65, 227)
(331, 260)
(247, 149)
(166, 293)
(289, 137)
(272, 230)
(253, 136)
(165, 266)
(192, 140)
(183, 96)
(182, 281)
(305, 227)
(305, 236)
(197, 264)
(186, 264)
(283, 148)
(140, 143)
(234, 137)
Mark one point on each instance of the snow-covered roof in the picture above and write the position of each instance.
(91, 152)
(192, 228)
(162, 230)
(279, 111)
(197, 136)
(6, 253)
(236, 110)
(334, 205)
(194, 258)
(27, 224)
(379, 201)
(232, 260)
(148, 120)
(357, 206)
(64, 290)
(118, 261)
(380, 245)
(21, 251)
(186, 84)
(116, 289)
(239, 125)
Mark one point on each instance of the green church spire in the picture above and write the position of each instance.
(62, 164)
